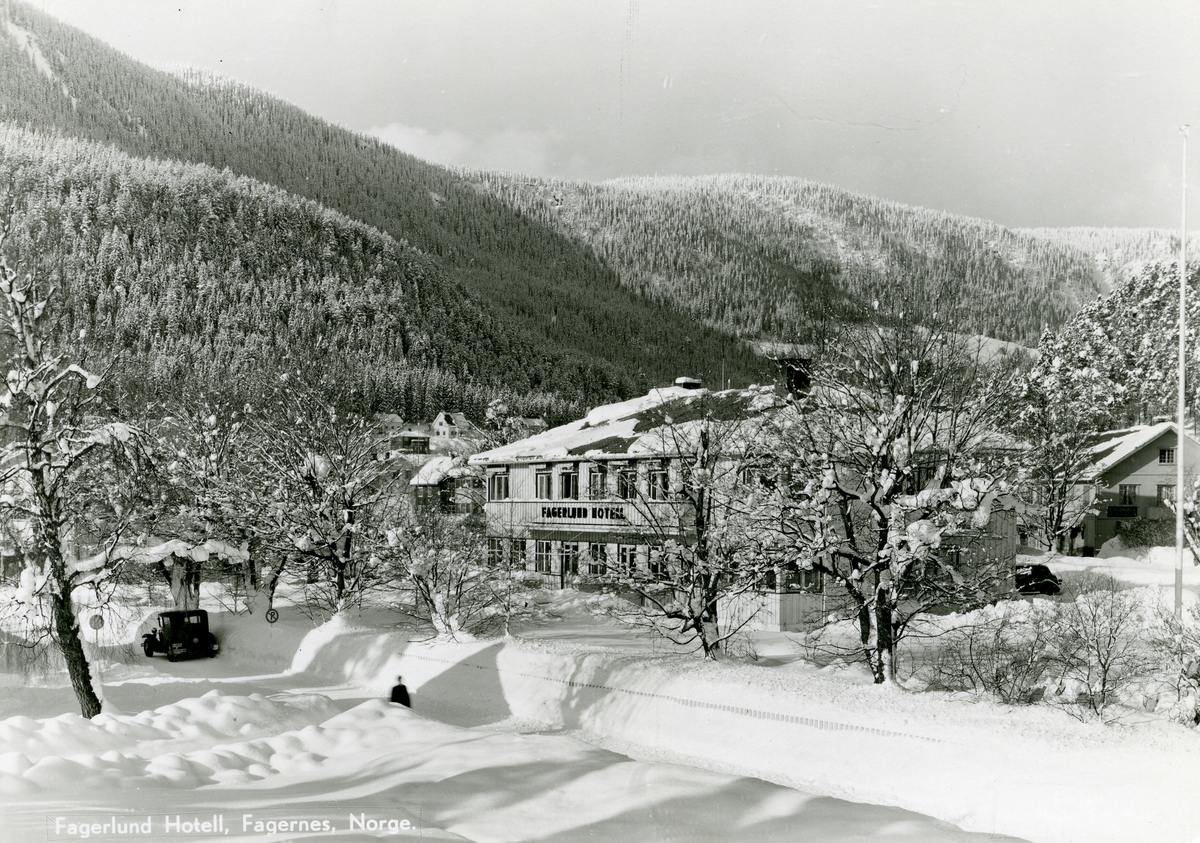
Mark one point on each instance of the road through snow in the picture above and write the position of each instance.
(226, 750)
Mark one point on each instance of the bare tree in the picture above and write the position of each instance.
(62, 469)
(887, 473)
(1100, 650)
(1007, 650)
(206, 506)
(1057, 413)
(441, 559)
(328, 484)
(698, 513)
(1176, 642)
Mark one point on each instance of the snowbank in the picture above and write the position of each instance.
(383, 761)
(166, 747)
(1030, 772)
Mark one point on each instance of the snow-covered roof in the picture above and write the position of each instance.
(1115, 446)
(637, 427)
(432, 472)
(150, 554)
(453, 420)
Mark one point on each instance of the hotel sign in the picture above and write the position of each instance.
(607, 513)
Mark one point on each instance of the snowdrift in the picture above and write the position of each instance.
(1031, 772)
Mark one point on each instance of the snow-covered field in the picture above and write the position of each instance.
(578, 730)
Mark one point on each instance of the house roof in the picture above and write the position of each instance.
(415, 430)
(453, 419)
(434, 471)
(1113, 447)
(654, 424)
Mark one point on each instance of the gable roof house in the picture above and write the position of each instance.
(1133, 473)
(452, 426)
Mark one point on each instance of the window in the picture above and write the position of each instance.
(1166, 456)
(543, 482)
(427, 496)
(541, 557)
(498, 487)
(793, 578)
(810, 580)
(1127, 494)
(568, 484)
(657, 564)
(659, 484)
(626, 559)
(466, 494)
(597, 559)
(516, 554)
(1165, 494)
(568, 558)
(627, 483)
(598, 482)
(495, 553)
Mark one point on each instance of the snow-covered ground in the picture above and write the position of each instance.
(578, 730)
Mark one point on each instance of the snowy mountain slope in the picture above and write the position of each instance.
(778, 258)
(1130, 338)
(566, 319)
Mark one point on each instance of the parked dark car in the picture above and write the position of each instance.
(1037, 579)
(181, 635)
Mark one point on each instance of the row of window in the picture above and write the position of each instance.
(594, 559)
(1127, 493)
(570, 557)
(624, 484)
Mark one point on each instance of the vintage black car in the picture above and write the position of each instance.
(181, 635)
(1037, 579)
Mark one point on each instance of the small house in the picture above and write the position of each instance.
(452, 426)
(1133, 476)
(446, 484)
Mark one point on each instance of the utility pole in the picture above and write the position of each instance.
(1179, 448)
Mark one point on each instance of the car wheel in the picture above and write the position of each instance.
(171, 657)
(148, 647)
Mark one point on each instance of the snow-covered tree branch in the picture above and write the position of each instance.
(887, 473)
(64, 471)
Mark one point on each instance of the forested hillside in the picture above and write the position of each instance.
(190, 278)
(596, 339)
(616, 286)
(1130, 340)
(1119, 253)
(774, 257)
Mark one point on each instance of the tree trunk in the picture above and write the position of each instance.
(263, 591)
(47, 532)
(66, 631)
(885, 645)
(185, 584)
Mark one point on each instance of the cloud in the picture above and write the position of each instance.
(445, 147)
(518, 150)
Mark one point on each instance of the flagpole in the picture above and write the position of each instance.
(1179, 449)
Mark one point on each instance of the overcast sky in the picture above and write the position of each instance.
(1027, 112)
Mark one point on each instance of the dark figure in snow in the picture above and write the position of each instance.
(400, 693)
